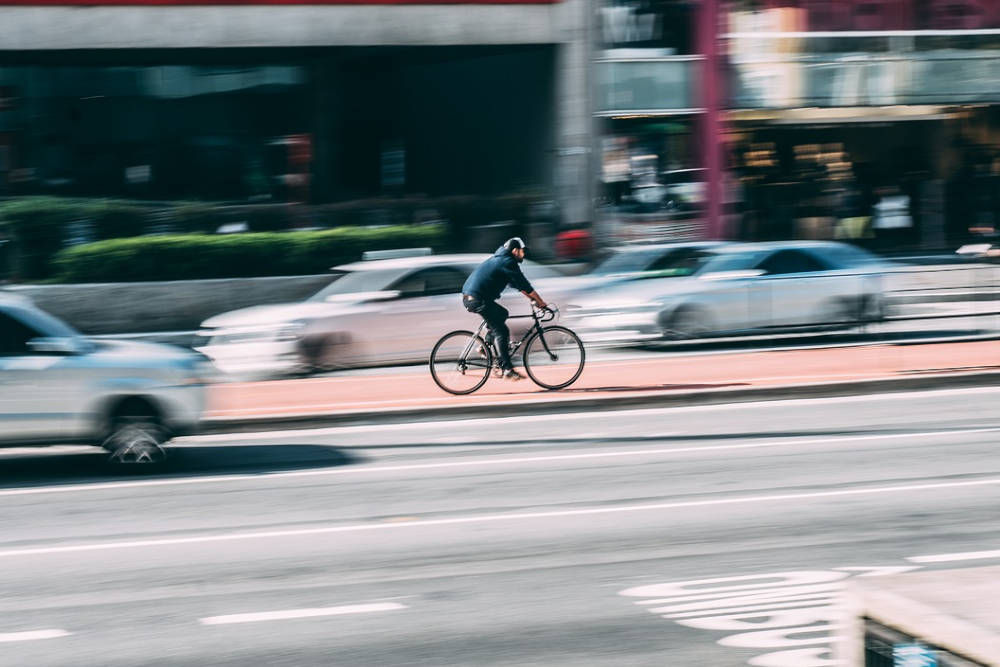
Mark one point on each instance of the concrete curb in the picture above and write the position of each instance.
(563, 403)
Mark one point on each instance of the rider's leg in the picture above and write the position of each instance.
(476, 305)
(496, 318)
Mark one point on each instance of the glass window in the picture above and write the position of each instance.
(683, 262)
(431, 282)
(14, 336)
(730, 261)
(848, 255)
(350, 282)
(790, 261)
(444, 281)
(627, 261)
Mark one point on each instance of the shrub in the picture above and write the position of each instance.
(199, 256)
(36, 227)
(40, 226)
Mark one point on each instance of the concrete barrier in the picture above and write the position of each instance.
(103, 308)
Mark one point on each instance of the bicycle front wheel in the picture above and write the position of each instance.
(554, 358)
(461, 362)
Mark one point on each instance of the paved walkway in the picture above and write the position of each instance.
(611, 378)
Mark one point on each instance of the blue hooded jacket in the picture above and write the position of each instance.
(492, 276)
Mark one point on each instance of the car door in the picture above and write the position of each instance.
(29, 408)
(428, 307)
(791, 290)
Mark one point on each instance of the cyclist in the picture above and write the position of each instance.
(483, 288)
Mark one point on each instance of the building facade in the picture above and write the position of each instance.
(310, 101)
(743, 119)
(821, 113)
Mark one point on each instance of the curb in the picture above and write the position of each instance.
(572, 404)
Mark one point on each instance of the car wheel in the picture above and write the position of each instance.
(872, 309)
(135, 436)
(322, 353)
(687, 323)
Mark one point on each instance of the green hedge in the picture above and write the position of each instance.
(199, 256)
(39, 227)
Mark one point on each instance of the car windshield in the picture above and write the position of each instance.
(848, 255)
(730, 261)
(350, 282)
(627, 261)
(656, 263)
(47, 325)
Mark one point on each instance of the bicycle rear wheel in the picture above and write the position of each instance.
(554, 359)
(461, 362)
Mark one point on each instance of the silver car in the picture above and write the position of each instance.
(373, 313)
(738, 289)
(58, 387)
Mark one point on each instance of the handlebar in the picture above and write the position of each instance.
(548, 313)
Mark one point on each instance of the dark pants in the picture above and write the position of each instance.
(496, 319)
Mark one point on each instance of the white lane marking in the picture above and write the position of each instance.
(414, 426)
(950, 558)
(33, 635)
(489, 462)
(489, 518)
(302, 613)
(879, 571)
(604, 414)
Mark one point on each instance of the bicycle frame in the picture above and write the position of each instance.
(536, 326)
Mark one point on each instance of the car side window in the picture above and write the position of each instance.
(431, 282)
(680, 262)
(444, 281)
(789, 261)
(14, 336)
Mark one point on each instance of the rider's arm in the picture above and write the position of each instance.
(539, 301)
(516, 278)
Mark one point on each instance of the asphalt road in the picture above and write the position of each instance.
(698, 537)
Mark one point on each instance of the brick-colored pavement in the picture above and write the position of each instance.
(671, 374)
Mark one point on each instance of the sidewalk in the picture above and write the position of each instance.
(652, 382)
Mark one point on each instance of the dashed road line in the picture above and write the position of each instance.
(491, 518)
(288, 614)
(33, 635)
(489, 462)
(952, 558)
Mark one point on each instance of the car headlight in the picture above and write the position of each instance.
(282, 332)
(289, 332)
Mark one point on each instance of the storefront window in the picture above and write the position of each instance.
(652, 187)
(660, 27)
(169, 131)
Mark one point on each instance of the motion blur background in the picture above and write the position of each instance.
(301, 187)
(631, 119)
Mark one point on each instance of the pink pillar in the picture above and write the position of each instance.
(710, 90)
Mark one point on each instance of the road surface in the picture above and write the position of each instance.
(705, 536)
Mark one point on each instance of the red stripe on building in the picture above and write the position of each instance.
(174, 3)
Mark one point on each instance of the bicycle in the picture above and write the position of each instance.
(553, 356)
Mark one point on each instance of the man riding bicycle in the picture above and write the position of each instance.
(483, 288)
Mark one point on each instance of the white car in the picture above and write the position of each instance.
(58, 387)
(375, 312)
(740, 289)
